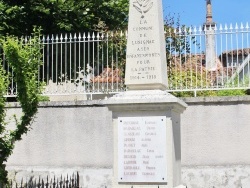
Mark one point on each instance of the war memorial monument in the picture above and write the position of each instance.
(146, 118)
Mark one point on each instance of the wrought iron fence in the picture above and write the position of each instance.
(83, 63)
(66, 182)
(210, 57)
(214, 57)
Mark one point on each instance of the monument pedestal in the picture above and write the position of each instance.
(147, 139)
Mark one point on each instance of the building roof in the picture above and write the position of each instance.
(108, 75)
(244, 51)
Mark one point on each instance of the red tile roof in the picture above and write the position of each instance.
(108, 76)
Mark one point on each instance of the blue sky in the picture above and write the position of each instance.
(193, 12)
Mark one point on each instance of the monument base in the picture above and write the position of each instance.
(147, 139)
(146, 86)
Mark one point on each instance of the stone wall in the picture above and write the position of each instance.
(215, 142)
(78, 136)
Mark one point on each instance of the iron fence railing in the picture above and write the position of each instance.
(83, 63)
(62, 182)
(211, 57)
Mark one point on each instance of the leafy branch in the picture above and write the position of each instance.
(24, 57)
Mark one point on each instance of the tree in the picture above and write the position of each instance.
(24, 57)
(57, 16)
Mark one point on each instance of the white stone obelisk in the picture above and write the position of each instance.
(146, 66)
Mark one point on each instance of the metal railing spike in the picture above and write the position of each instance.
(61, 37)
(221, 28)
(241, 26)
(195, 30)
(236, 26)
(215, 27)
(247, 25)
(231, 26)
(200, 29)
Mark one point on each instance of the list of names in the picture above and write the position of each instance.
(142, 149)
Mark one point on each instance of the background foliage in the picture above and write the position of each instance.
(58, 16)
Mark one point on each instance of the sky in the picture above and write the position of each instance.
(193, 12)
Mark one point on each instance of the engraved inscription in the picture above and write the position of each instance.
(142, 149)
(145, 46)
(144, 54)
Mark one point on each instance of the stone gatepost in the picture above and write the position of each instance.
(146, 119)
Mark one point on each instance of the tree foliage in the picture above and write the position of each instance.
(5, 145)
(57, 16)
(24, 57)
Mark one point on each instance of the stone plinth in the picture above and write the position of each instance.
(146, 66)
(147, 139)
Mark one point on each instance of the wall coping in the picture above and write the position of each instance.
(100, 103)
(222, 99)
(59, 104)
